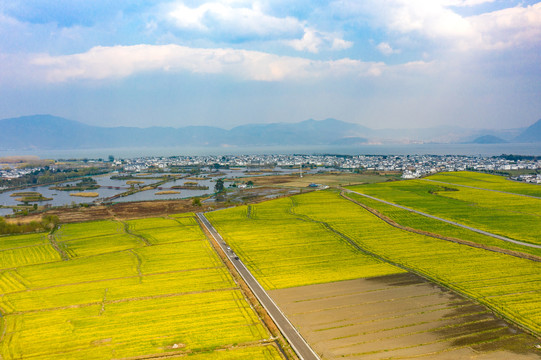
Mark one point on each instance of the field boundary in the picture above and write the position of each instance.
(442, 237)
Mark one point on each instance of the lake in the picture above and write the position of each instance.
(413, 149)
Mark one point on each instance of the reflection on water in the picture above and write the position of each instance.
(4, 211)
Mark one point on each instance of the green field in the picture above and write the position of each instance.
(167, 230)
(280, 239)
(119, 297)
(433, 226)
(486, 181)
(514, 216)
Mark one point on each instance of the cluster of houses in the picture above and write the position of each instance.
(533, 179)
(411, 166)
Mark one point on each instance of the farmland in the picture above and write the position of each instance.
(352, 284)
(486, 181)
(281, 238)
(399, 316)
(283, 250)
(508, 284)
(433, 226)
(122, 295)
(20, 250)
(508, 215)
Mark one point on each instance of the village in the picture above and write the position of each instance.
(410, 166)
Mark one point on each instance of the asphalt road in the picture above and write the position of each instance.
(297, 342)
(448, 221)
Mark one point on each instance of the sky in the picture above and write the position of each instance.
(377, 63)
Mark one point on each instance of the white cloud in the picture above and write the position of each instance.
(240, 20)
(101, 63)
(464, 3)
(428, 17)
(437, 21)
(314, 41)
(386, 49)
(227, 19)
(517, 26)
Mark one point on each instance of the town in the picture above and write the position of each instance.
(410, 166)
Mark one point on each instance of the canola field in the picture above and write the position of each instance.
(282, 238)
(487, 181)
(507, 284)
(513, 216)
(433, 226)
(283, 250)
(122, 294)
(28, 249)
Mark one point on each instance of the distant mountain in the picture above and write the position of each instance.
(488, 139)
(309, 132)
(50, 132)
(531, 134)
(47, 132)
(350, 141)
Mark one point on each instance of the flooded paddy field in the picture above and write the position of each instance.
(399, 317)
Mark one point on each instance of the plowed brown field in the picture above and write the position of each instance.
(399, 316)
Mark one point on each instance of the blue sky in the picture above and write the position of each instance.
(378, 63)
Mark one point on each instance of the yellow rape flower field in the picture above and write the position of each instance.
(106, 289)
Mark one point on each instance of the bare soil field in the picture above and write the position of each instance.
(399, 317)
(329, 179)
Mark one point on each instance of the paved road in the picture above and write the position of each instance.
(303, 350)
(448, 221)
(478, 188)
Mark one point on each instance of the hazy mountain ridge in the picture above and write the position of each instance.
(531, 134)
(47, 132)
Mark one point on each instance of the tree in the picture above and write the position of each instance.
(219, 187)
(196, 201)
(49, 222)
(111, 158)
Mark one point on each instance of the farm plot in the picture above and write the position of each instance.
(94, 238)
(166, 230)
(513, 216)
(283, 250)
(399, 316)
(74, 231)
(20, 250)
(507, 284)
(486, 181)
(143, 302)
(16, 241)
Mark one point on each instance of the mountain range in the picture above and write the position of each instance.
(47, 132)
